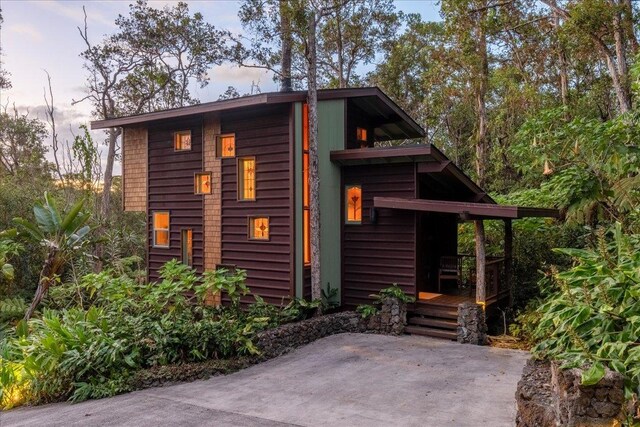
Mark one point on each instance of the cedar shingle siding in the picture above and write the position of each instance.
(212, 202)
(134, 158)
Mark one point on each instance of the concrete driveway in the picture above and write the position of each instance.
(347, 379)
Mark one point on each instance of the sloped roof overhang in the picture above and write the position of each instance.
(427, 156)
(466, 210)
(394, 122)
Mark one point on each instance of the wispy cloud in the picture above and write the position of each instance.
(73, 11)
(26, 30)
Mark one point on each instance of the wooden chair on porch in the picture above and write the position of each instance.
(450, 269)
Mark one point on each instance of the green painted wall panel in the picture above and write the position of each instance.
(331, 123)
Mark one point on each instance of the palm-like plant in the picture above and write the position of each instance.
(61, 236)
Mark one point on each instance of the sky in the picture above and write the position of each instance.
(43, 35)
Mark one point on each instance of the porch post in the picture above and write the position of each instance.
(508, 258)
(481, 285)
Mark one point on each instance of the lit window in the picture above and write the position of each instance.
(226, 146)
(353, 204)
(361, 134)
(306, 228)
(203, 183)
(182, 140)
(187, 247)
(247, 178)
(259, 228)
(161, 229)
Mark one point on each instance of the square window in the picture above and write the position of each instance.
(247, 178)
(161, 229)
(259, 228)
(226, 146)
(203, 183)
(187, 246)
(182, 140)
(353, 204)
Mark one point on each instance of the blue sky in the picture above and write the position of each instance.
(43, 35)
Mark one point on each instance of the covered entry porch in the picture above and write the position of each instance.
(447, 278)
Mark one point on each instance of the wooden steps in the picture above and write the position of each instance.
(431, 318)
(431, 332)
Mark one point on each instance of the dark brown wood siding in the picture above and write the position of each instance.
(171, 175)
(375, 256)
(264, 134)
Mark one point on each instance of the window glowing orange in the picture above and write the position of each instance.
(182, 140)
(306, 227)
(361, 134)
(227, 145)
(161, 229)
(247, 178)
(203, 183)
(353, 204)
(187, 247)
(259, 228)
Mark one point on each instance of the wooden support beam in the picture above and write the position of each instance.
(508, 258)
(481, 263)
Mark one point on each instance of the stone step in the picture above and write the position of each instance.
(434, 322)
(431, 332)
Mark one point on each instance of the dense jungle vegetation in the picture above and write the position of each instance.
(537, 101)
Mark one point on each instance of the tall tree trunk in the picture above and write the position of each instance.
(622, 95)
(314, 184)
(108, 173)
(46, 277)
(481, 93)
(481, 276)
(627, 22)
(113, 134)
(621, 56)
(341, 80)
(285, 29)
(562, 64)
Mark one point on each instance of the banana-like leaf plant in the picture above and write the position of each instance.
(62, 236)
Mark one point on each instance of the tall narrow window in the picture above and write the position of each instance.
(187, 247)
(226, 145)
(161, 229)
(361, 136)
(247, 178)
(353, 204)
(258, 228)
(182, 140)
(306, 224)
(203, 183)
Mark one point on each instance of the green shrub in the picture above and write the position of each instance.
(393, 291)
(95, 335)
(367, 310)
(591, 313)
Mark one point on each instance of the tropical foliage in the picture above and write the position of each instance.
(93, 336)
(590, 313)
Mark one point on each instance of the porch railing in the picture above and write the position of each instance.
(494, 274)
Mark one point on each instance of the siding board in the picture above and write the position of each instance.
(263, 133)
(378, 255)
(170, 178)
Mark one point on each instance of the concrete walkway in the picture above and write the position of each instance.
(348, 380)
